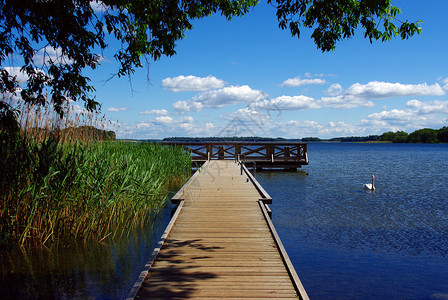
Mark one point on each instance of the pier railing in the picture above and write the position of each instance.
(265, 154)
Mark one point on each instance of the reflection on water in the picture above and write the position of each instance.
(94, 270)
(350, 243)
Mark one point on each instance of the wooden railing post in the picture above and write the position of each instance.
(209, 151)
(221, 154)
(269, 151)
(237, 151)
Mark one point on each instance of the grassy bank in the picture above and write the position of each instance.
(54, 188)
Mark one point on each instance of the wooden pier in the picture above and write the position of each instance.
(286, 155)
(220, 243)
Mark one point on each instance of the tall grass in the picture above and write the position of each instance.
(56, 187)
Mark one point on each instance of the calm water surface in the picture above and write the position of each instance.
(347, 243)
(85, 271)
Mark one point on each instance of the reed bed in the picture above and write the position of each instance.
(57, 187)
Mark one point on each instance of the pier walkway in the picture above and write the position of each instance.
(220, 243)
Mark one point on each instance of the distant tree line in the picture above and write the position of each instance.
(370, 138)
(425, 135)
(311, 139)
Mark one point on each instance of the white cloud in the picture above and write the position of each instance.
(430, 107)
(117, 109)
(187, 105)
(160, 112)
(393, 116)
(309, 75)
(298, 81)
(78, 109)
(286, 103)
(246, 114)
(251, 122)
(164, 126)
(417, 115)
(344, 102)
(144, 125)
(46, 54)
(245, 122)
(302, 102)
(98, 6)
(219, 98)
(445, 84)
(229, 96)
(164, 120)
(378, 89)
(21, 76)
(357, 95)
(296, 128)
(338, 129)
(187, 119)
(334, 90)
(306, 128)
(192, 83)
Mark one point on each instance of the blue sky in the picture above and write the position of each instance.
(247, 77)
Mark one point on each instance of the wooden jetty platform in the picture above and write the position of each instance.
(220, 243)
(286, 155)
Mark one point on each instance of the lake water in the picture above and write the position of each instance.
(345, 243)
(93, 270)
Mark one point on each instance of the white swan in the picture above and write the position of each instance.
(369, 186)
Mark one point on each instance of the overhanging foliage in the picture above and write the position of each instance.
(68, 35)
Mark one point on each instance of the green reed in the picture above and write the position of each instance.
(55, 188)
(87, 190)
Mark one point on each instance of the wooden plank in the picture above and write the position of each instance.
(214, 255)
(217, 270)
(204, 235)
(216, 293)
(191, 294)
(229, 285)
(212, 263)
(205, 278)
